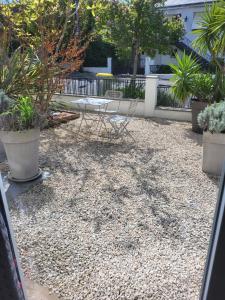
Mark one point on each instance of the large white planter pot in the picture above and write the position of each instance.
(2, 152)
(213, 152)
(22, 153)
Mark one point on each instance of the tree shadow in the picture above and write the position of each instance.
(160, 121)
(195, 137)
(36, 197)
(100, 151)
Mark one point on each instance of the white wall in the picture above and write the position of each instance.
(146, 108)
(107, 69)
(123, 109)
(187, 12)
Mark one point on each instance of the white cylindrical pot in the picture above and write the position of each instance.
(213, 152)
(22, 149)
(2, 152)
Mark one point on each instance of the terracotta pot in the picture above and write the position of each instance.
(197, 107)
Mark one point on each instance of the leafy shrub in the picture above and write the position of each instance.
(202, 87)
(97, 53)
(20, 115)
(133, 91)
(188, 81)
(164, 69)
(212, 118)
(167, 99)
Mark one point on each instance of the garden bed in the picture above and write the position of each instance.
(58, 117)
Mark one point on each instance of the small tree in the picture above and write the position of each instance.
(46, 29)
(136, 26)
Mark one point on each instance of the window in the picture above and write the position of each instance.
(196, 18)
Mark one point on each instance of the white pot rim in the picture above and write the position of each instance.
(20, 137)
(21, 131)
(214, 138)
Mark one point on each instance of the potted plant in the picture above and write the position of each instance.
(188, 83)
(4, 100)
(212, 121)
(202, 87)
(20, 134)
(35, 54)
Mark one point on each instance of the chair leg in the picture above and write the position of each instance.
(125, 132)
(81, 122)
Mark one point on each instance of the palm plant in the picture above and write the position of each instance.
(211, 33)
(186, 68)
(17, 72)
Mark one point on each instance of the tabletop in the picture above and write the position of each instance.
(92, 101)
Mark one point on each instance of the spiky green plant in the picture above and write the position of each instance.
(183, 73)
(211, 33)
(212, 119)
(20, 115)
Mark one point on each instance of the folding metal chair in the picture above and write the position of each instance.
(104, 112)
(119, 123)
(114, 94)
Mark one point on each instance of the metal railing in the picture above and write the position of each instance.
(165, 98)
(189, 43)
(130, 88)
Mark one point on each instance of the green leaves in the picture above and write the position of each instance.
(182, 78)
(136, 26)
(25, 109)
(211, 32)
(19, 114)
(213, 118)
(17, 72)
(202, 87)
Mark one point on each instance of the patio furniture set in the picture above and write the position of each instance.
(106, 123)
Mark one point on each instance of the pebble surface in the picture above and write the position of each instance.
(118, 221)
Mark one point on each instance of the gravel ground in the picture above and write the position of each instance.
(118, 221)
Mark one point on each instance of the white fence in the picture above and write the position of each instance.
(146, 108)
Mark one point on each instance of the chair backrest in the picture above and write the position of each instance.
(114, 94)
(132, 107)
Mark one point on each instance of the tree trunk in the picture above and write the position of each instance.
(135, 60)
(77, 19)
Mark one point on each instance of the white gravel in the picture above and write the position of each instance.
(118, 221)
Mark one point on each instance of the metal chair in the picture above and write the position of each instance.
(102, 112)
(114, 94)
(119, 123)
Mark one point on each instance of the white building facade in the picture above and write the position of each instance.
(190, 11)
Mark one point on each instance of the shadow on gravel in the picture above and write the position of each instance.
(137, 161)
(214, 179)
(159, 121)
(195, 137)
(100, 151)
(155, 198)
(35, 199)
